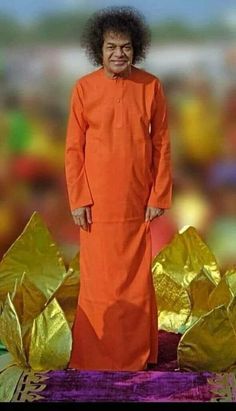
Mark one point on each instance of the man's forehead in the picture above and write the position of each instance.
(116, 37)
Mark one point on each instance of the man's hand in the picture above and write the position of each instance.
(82, 217)
(153, 212)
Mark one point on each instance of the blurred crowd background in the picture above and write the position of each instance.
(193, 53)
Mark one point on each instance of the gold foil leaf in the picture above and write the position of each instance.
(223, 386)
(33, 303)
(74, 264)
(185, 257)
(173, 303)
(34, 253)
(67, 293)
(209, 345)
(51, 340)
(10, 332)
(231, 309)
(199, 290)
(17, 297)
(9, 379)
(6, 360)
(230, 276)
(28, 301)
(221, 294)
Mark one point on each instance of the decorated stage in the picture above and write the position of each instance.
(196, 319)
(165, 383)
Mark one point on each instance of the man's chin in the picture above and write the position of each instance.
(119, 70)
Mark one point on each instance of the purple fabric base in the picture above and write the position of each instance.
(125, 387)
(165, 384)
(151, 386)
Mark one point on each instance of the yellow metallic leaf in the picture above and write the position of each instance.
(17, 297)
(231, 309)
(51, 340)
(210, 344)
(74, 264)
(9, 379)
(230, 276)
(173, 303)
(222, 293)
(10, 332)
(185, 257)
(6, 360)
(199, 290)
(34, 253)
(29, 302)
(67, 293)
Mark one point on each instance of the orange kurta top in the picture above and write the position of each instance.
(117, 160)
(118, 151)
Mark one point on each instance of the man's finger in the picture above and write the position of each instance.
(152, 214)
(88, 215)
(161, 212)
(80, 221)
(83, 223)
(147, 214)
(76, 219)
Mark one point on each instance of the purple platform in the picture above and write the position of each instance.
(164, 384)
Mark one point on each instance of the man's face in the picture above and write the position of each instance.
(117, 52)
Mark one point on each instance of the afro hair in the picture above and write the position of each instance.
(122, 20)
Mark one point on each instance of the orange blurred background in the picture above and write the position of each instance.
(193, 53)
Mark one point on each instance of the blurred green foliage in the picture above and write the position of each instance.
(67, 27)
(54, 28)
(177, 30)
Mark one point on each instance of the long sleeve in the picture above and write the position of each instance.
(161, 191)
(76, 178)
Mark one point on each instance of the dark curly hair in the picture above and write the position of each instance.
(125, 20)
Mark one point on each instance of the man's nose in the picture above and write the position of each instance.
(119, 51)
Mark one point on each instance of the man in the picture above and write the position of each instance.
(117, 164)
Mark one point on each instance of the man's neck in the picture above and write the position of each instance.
(123, 74)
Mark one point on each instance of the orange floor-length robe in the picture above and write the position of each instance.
(117, 160)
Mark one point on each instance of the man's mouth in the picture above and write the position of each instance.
(119, 61)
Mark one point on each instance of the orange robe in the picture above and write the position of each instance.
(117, 160)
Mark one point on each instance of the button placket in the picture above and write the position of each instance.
(118, 104)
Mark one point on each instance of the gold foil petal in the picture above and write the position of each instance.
(230, 276)
(67, 293)
(221, 294)
(231, 309)
(51, 340)
(74, 264)
(17, 297)
(35, 254)
(199, 290)
(6, 360)
(9, 379)
(10, 332)
(173, 303)
(185, 257)
(209, 345)
(28, 302)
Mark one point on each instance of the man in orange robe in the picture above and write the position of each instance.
(118, 171)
